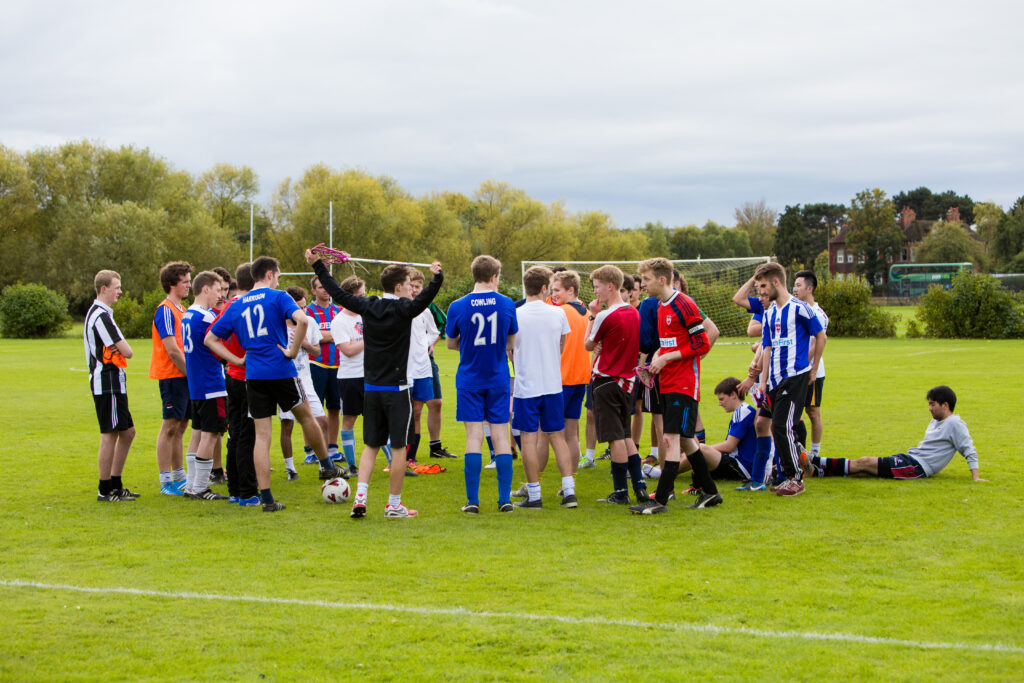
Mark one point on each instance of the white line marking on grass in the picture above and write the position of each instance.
(590, 621)
(924, 353)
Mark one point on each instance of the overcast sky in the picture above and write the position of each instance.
(663, 111)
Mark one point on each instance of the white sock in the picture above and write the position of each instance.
(590, 454)
(202, 480)
(288, 464)
(654, 451)
(568, 486)
(487, 428)
(533, 491)
(165, 478)
(332, 450)
(361, 489)
(393, 500)
(179, 474)
(190, 474)
(815, 449)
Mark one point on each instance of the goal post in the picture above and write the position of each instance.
(711, 282)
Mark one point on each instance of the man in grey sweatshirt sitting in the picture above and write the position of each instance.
(946, 435)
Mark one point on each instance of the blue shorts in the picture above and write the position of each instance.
(436, 377)
(325, 383)
(572, 400)
(482, 405)
(588, 403)
(174, 396)
(544, 412)
(423, 389)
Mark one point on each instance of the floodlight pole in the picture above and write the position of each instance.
(251, 223)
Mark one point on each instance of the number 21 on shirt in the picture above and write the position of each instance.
(480, 321)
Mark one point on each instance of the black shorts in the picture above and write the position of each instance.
(680, 414)
(814, 393)
(611, 410)
(112, 413)
(267, 395)
(210, 415)
(174, 396)
(325, 383)
(386, 414)
(351, 391)
(650, 399)
(730, 468)
(900, 466)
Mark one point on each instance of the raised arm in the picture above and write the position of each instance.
(740, 297)
(356, 304)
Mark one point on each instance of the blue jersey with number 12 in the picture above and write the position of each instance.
(482, 321)
(258, 320)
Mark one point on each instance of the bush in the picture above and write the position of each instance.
(850, 311)
(136, 319)
(975, 306)
(914, 330)
(33, 311)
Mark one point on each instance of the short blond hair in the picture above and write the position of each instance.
(568, 278)
(658, 267)
(608, 275)
(104, 278)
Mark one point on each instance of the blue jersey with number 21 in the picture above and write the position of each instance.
(258, 320)
(482, 321)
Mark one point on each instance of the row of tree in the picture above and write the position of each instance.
(67, 211)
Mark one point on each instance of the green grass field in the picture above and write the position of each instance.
(856, 579)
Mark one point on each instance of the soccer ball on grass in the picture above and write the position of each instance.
(335, 491)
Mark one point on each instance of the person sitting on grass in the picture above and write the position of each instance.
(945, 436)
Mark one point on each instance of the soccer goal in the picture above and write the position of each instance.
(711, 282)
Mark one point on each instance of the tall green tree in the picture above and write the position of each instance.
(873, 235)
(657, 239)
(791, 238)
(1008, 240)
(227, 192)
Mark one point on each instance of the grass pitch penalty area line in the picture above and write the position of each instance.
(708, 629)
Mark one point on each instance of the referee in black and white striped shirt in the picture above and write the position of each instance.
(107, 352)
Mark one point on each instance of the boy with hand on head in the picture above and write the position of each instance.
(537, 397)
(682, 342)
(482, 325)
(946, 435)
(206, 388)
(259, 319)
(106, 352)
(387, 401)
(788, 367)
(617, 330)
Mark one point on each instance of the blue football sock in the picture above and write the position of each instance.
(519, 440)
(387, 452)
(503, 463)
(472, 466)
(764, 452)
(490, 447)
(348, 445)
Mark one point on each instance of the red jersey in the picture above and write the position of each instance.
(234, 346)
(681, 328)
(617, 329)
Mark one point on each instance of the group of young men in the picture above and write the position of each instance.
(372, 356)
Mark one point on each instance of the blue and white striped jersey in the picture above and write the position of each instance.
(787, 331)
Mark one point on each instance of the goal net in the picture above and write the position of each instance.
(711, 282)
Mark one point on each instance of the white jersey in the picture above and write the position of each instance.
(348, 328)
(823, 319)
(422, 335)
(301, 361)
(537, 354)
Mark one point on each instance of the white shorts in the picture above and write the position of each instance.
(314, 405)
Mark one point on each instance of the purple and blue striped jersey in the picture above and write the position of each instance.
(322, 317)
(787, 331)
